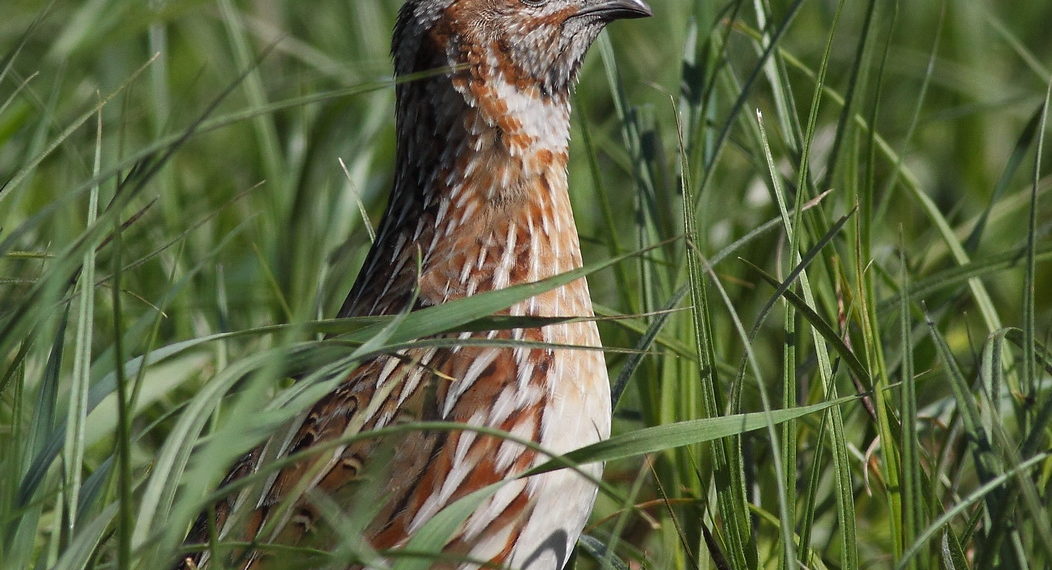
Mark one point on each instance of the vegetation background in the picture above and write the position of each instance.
(850, 223)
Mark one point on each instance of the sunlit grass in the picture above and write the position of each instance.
(820, 231)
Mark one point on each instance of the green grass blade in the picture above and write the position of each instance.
(980, 494)
(660, 438)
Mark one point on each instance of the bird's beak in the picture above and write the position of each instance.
(616, 9)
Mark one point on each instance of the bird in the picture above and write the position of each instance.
(480, 202)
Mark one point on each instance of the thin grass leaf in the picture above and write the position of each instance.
(913, 499)
(1022, 148)
(435, 533)
(980, 494)
(986, 461)
(598, 551)
(987, 464)
(123, 441)
(953, 556)
(77, 412)
(728, 472)
(739, 104)
(21, 174)
(1030, 378)
(858, 71)
(660, 438)
(790, 348)
(817, 322)
(646, 341)
(79, 553)
(955, 276)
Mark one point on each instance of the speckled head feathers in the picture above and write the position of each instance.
(538, 41)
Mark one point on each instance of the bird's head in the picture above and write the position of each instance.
(531, 43)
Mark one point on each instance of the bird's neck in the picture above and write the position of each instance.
(480, 199)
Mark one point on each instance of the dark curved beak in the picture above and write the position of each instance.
(615, 9)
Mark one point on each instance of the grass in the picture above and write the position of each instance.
(820, 231)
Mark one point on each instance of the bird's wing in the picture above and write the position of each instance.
(415, 473)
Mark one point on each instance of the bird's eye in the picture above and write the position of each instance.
(534, 3)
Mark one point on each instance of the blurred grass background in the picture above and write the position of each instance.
(170, 171)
